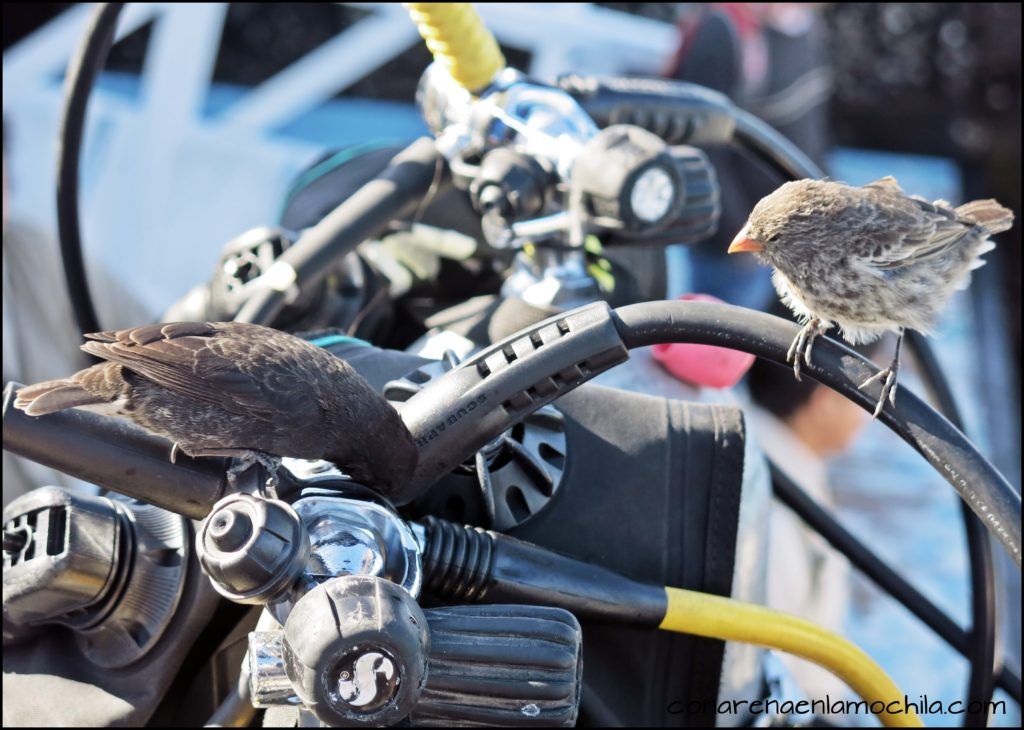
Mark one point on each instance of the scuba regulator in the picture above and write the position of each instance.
(351, 581)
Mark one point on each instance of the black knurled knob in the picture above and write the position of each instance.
(230, 529)
(501, 666)
(355, 650)
(252, 548)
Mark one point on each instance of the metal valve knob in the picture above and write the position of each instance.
(252, 548)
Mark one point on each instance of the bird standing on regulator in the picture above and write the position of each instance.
(869, 259)
(238, 390)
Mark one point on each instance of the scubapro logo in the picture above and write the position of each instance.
(451, 419)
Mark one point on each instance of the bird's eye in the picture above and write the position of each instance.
(773, 238)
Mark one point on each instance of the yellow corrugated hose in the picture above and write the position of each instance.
(690, 612)
(459, 40)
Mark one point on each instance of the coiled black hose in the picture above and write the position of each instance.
(943, 446)
(982, 644)
(982, 488)
(82, 71)
(677, 110)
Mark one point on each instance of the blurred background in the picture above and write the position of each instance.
(208, 112)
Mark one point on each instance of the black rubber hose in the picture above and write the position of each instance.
(404, 183)
(82, 71)
(982, 645)
(876, 569)
(684, 113)
(679, 112)
(470, 564)
(840, 368)
(760, 139)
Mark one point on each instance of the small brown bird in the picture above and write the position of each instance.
(238, 390)
(869, 259)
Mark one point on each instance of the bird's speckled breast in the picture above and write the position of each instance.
(836, 301)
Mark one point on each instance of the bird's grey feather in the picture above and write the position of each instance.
(102, 383)
(987, 213)
(53, 396)
(870, 259)
(935, 233)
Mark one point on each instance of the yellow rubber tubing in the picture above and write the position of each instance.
(459, 40)
(702, 614)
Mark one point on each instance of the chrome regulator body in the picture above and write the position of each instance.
(265, 551)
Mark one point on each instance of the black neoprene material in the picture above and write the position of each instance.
(668, 517)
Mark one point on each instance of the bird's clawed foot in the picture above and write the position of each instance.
(271, 463)
(888, 378)
(243, 461)
(801, 347)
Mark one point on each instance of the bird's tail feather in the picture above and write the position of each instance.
(52, 396)
(987, 213)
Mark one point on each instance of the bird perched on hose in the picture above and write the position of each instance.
(869, 259)
(238, 390)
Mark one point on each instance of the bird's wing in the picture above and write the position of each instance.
(201, 361)
(908, 230)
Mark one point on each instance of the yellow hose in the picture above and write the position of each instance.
(690, 612)
(459, 40)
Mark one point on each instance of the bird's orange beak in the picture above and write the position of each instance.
(742, 243)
